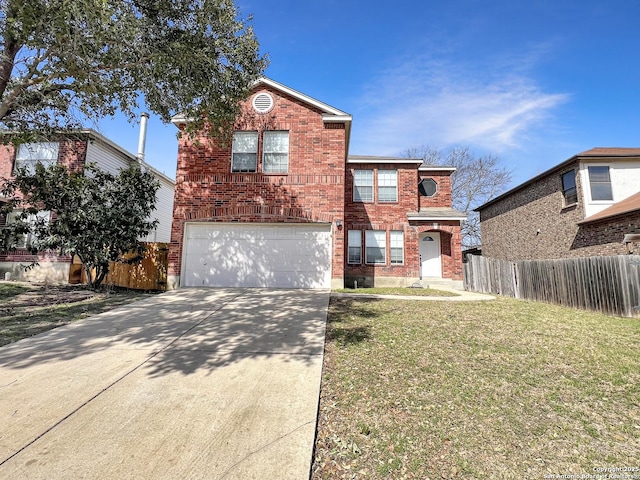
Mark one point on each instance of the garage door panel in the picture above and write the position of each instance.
(257, 255)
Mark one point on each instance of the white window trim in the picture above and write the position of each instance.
(30, 159)
(383, 247)
(349, 246)
(437, 187)
(372, 186)
(265, 152)
(27, 238)
(395, 200)
(588, 182)
(391, 247)
(233, 152)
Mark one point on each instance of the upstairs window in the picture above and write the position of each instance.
(244, 152)
(275, 155)
(428, 187)
(354, 243)
(387, 185)
(363, 186)
(600, 183)
(569, 188)
(376, 246)
(30, 154)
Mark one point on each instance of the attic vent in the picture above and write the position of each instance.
(262, 102)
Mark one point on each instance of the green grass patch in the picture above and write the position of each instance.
(9, 290)
(500, 389)
(35, 309)
(427, 292)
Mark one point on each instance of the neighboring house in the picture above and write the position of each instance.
(282, 204)
(586, 206)
(74, 151)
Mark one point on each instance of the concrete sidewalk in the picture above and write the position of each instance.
(195, 383)
(457, 296)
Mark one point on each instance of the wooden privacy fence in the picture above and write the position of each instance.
(148, 274)
(605, 284)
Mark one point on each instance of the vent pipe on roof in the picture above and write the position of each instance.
(144, 117)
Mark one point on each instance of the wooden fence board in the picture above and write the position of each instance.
(609, 285)
(149, 274)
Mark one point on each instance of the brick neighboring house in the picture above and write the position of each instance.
(284, 205)
(588, 205)
(74, 151)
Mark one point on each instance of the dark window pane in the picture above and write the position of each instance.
(569, 188)
(427, 187)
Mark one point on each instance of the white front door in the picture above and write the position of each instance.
(430, 262)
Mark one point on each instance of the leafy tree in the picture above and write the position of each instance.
(476, 180)
(95, 215)
(65, 62)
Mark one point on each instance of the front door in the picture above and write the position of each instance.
(430, 262)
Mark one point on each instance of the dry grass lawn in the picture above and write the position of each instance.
(29, 309)
(500, 389)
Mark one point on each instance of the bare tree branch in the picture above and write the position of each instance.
(476, 180)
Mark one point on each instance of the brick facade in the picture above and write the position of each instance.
(311, 191)
(533, 222)
(392, 216)
(72, 154)
(317, 188)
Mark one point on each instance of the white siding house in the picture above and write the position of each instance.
(623, 181)
(107, 156)
(112, 158)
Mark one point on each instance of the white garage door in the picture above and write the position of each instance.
(257, 255)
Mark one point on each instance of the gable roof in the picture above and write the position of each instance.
(326, 109)
(329, 114)
(619, 152)
(628, 205)
(612, 153)
(94, 135)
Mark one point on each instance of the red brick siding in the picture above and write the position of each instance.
(311, 191)
(6, 161)
(72, 154)
(393, 216)
(442, 197)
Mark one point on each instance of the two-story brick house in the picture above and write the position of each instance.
(585, 206)
(74, 151)
(406, 205)
(284, 205)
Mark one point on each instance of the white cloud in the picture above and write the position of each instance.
(436, 103)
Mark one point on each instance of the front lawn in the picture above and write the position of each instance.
(29, 309)
(500, 389)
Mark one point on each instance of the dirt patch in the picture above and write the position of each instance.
(27, 309)
(48, 295)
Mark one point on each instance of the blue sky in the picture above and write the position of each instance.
(531, 82)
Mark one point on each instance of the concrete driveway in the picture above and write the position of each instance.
(194, 384)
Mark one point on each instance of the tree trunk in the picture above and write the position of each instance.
(101, 272)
